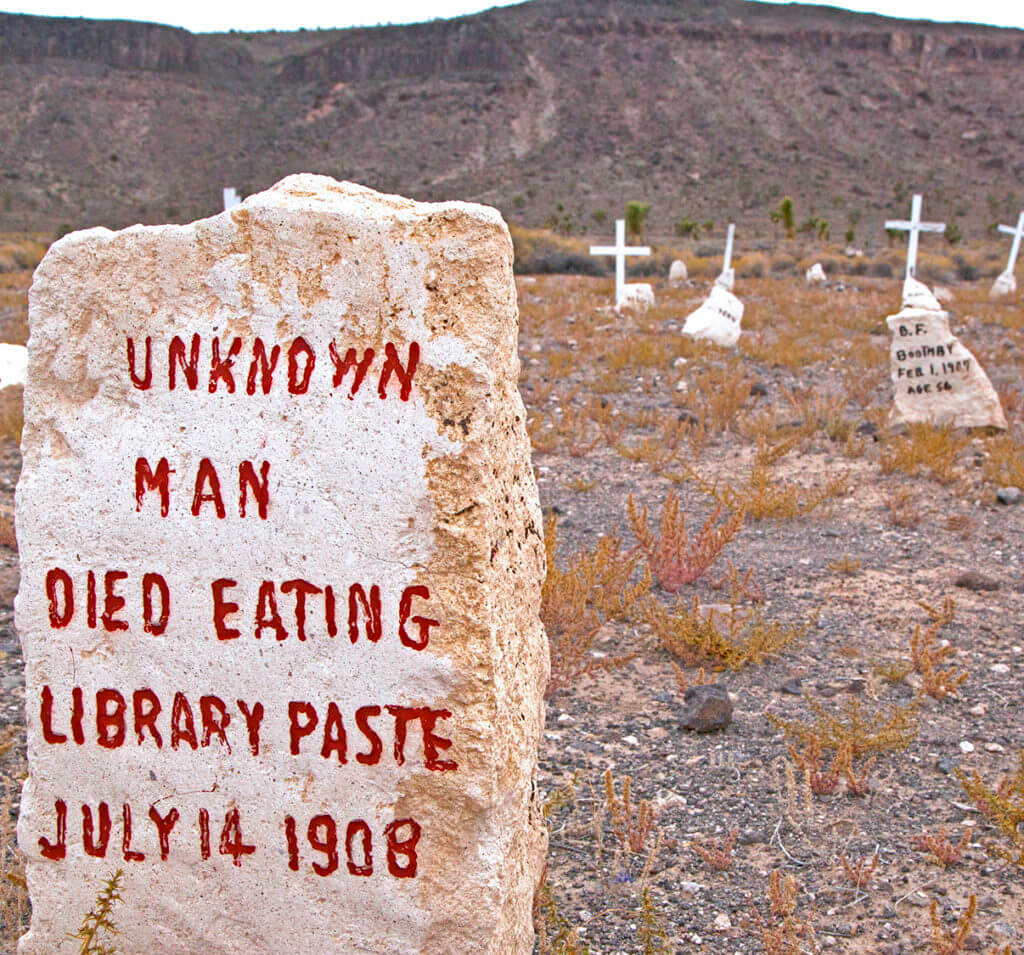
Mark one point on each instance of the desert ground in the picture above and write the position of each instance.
(749, 519)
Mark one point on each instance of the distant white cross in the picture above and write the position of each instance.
(620, 250)
(915, 227)
(727, 262)
(1017, 234)
(231, 198)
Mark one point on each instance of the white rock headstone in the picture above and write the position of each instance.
(718, 318)
(917, 295)
(936, 380)
(1005, 284)
(13, 362)
(815, 275)
(677, 273)
(281, 568)
(637, 297)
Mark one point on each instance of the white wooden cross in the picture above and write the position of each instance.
(231, 198)
(727, 262)
(620, 250)
(915, 227)
(1017, 234)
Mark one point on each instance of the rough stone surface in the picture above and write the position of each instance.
(1005, 284)
(935, 378)
(815, 275)
(726, 279)
(917, 295)
(706, 708)
(412, 492)
(13, 362)
(678, 274)
(718, 318)
(637, 297)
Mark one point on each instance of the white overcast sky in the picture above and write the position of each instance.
(205, 16)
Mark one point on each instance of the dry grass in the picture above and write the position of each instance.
(731, 637)
(672, 555)
(575, 603)
(14, 904)
(926, 450)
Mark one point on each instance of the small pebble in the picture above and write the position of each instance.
(630, 740)
(1000, 668)
(1008, 495)
(722, 923)
(966, 746)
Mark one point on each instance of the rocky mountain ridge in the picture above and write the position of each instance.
(556, 111)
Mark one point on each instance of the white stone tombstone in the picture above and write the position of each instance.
(727, 277)
(620, 250)
(935, 379)
(1006, 283)
(637, 297)
(917, 295)
(231, 198)
(281, 562)
(914, 226)
(678, 275)
(718, 318)
(13, 362)
(815, 275)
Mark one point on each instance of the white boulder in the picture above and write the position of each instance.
(718, 318)
(13, 362)
(1004, 285)
(678, 273)
(636, 297)
(935, 379)
(917, 295)
(815, 275)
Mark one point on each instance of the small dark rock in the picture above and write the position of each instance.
(793, 686)
(1008, 495)
(972, 580)
(665, 697)
(868, 428)
(759, 389)
(945, 765)
(707, 708)
(688, 417)
(972, 943)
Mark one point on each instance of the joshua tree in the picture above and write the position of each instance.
(636, 216)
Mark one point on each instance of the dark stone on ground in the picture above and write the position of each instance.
(706, 708)
(972, 580)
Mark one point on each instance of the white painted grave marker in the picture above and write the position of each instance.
(231, 198)
(936, 379)
(620, 250)
(13, 362)
(914, 226)
(1006, 283)
(717, 319)
(281, 561)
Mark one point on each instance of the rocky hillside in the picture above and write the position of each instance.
(552, 110)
